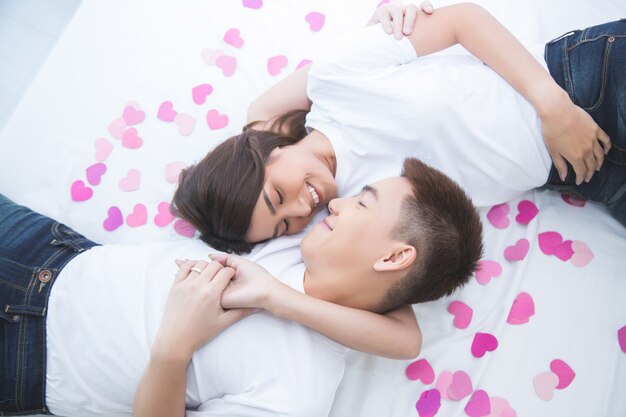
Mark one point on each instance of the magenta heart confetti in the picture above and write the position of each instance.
(522, 309)
(527, 211)
(478, 405)
(462, 314)
(114, 220)
(80, 192)
(460, 387)
(563, 371)
(166, 112)
(95, 173)
(518, 251)
(422, 371)
(548, 241)
(428, 403)
(497, 216)
(482, 343)
(621, 338)
(486, 270)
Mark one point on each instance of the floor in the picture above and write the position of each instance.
(29, 29)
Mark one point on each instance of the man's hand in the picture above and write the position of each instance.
(398, 19)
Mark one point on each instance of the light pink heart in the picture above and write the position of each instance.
(482, 343)
(498, 216)
(460, 387)
(315, 21)
(131, 140)
(573, 201)
(200, 92)
(95, 173)
(184, 228)
(564, 372)
(500, 408)
(166, 112)
(114, 219)
(172, 171)
(522, 309)
(487, 270)
(428, 403)
(443, 382)
(117, 128)
(527, 211)
(621, 338)
(233, 38)
(253, 4)
(420, 370)
(133, 116)
(276, 64)
(215, 120)
(582, 254)
(103, 149)
(80, 192)
(303, 63)
(138, 217)
(462, 314)
(545, 383)
(186, 123)
(548, 242)
(131, 181)
(209, 56)
(478, 405)
(518, 251)
(164, 215)
(227, 64)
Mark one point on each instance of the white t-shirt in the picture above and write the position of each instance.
(378, 103)
(105, 309)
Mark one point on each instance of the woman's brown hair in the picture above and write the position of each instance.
(218, 194)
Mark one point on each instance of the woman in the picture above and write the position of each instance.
(459, 117)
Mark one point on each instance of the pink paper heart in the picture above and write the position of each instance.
(428, 403)
(131, 181)
(443, 382)
(527, 211)
(462, 314)
(315, 21)
(184, 228)
(563, 250)
(545, 384)
(172, 171)
(422, 371)
(114, 219)
(487, 270)
(478, 405)
(497, 216)
(482, 343)
(186, 123)
(460, 387)
(573, 201)
(582, 254)
(80, 192)
(103, 149)
(95, 173)
(166, 112)
(164, 215)
(621, 338)
(227, 64)
(522, 309)
(133, 116)
(508, 412)
(138, 217)
(215, 120)
(548, 241)
(117, 128)
(253, 4)
(131, 140)
(276, 64)
(233, 38)
(518, 251)
(500, 408)
(563, 371)
(209, 56)
(303, 63)
(200, 92)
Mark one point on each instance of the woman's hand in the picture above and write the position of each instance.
(398, 19)
(252, 286)
(193, 313)
(571, 134)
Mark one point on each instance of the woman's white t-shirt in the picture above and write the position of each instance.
(378, 103)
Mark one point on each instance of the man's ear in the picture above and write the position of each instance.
(402, 257)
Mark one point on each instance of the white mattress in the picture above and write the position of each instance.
(145, 53)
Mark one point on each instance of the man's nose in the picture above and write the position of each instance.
(334, 206)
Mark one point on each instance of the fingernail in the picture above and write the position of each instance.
(563, 177)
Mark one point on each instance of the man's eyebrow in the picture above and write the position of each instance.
(371, 190)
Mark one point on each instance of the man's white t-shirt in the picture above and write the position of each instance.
(104, 312)
(378, 104)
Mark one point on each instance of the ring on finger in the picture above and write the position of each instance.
(196, 270)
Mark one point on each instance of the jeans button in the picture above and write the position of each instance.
(45, 275)
(15, 318)
(612, 39)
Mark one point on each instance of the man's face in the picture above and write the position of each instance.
(340, 252)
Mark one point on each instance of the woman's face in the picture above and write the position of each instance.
(297, 184)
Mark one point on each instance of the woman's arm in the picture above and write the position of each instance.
(569, 132)
(394, 335)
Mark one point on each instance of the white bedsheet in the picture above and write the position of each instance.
(145, 53)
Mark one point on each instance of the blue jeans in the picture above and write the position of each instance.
(590, 65)
(33, 250)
